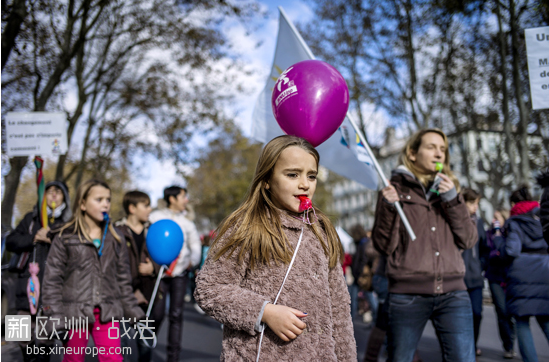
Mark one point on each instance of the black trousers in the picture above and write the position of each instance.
(157, 315)
(28, 348)
(176, 287)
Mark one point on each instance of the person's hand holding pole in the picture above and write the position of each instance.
(390, 194)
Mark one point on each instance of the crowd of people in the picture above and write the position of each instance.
(94, 270)
(440, 276)
(276, 275)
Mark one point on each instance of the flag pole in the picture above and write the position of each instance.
(383, 178)
(358, 132)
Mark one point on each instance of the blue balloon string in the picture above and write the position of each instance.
(106, 218)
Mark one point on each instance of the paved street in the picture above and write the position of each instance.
(202, 341)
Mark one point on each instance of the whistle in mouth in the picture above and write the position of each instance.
(305, 203)
(52, 218)
(439, 166)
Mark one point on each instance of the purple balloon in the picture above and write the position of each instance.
(310, 100)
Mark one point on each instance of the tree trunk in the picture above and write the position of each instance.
(11, 30)
(412, 67)
(507, 127)
(11, 183)
(523, 112)
(82, 98)
(69, 50)
(464, 152)
(59, 175)
(81, 166)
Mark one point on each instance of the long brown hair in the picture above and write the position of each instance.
(77, 224)
(413, 145)
(256, 222)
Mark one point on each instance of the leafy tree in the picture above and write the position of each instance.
(384, 49)
(147, 75)
(14, 13)
(456, 65)
(47, 41)
(225, 170)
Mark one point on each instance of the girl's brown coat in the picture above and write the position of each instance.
(77, 280)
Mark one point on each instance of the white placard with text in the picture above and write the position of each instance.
(537, 49)
(36, 134)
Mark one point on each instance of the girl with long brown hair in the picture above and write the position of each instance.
(88, 277)
(273, 275)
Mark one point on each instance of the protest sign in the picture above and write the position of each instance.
(537, 50)
(36, 133)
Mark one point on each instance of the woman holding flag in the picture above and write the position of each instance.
(426, 274)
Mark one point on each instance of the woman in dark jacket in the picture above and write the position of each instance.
(428, 271)
(527, 291)
(31, 242)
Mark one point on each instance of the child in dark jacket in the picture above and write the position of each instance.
(527, 292)
(137, 206)
(31, 242)
(88, 277)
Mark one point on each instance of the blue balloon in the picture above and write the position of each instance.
(164, 241)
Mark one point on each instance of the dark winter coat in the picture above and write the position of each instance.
(431, 264)
(494, 265)
(144, 283)
(359, 258)
(77, 280)
(471, 258)
(21, 240)
(528, 276)
(543, 181)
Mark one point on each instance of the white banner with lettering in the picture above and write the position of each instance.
(36, 134)
(537, 50)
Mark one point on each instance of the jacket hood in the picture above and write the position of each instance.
(67, 213)
(403, 170)
(531, 226)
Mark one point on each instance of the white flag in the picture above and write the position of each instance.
(342, 153)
